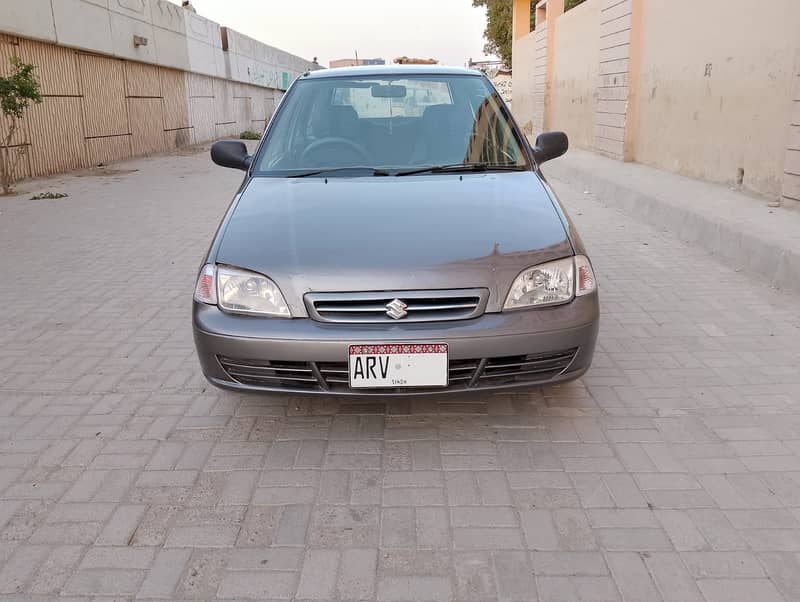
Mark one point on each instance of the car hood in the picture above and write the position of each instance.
(389, 233)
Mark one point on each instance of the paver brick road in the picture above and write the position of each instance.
(670, 472)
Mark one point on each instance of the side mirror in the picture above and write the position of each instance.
(550, 145)
(230, 153)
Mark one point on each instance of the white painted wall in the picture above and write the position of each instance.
(175, 37)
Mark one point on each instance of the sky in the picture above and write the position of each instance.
(448, 30)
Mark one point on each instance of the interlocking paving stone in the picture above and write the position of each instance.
(356, 580)
(669, 472)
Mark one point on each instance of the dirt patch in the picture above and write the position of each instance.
(104, 171)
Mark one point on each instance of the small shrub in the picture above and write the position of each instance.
(570, 4)
(48, 195)
(17, 91)
(249, 135)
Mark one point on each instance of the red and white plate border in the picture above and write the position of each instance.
(398, 348)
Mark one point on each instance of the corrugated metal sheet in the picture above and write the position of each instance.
(226, 130)
(258, 106)
(243, 113)
(20, 135)
(202, 115)
(108, 149)
(99, 109)
(56, 67)
(176, 99)
(270, 102)
(147, 125)
(241, 90)
(142, 79)
(224, 112)
(56, 129)
(9, 47)
(200, 85)
(179, 138)
(103, 83)
(22, 169)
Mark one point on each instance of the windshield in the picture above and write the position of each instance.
(385, 126)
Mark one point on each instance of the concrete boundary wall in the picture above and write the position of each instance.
(576, 67)
(791, 173)
(614, 84)
(669, 92)
(99, 109)
(108, 96)
(174, 37)
(524, 49)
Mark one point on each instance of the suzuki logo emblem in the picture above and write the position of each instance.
(396, 309)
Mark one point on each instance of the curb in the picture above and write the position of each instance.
(752, 252)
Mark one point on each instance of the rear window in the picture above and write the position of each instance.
(419, 95)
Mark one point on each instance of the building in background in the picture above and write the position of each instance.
(354, 62)
(405, 60)
(497, 72)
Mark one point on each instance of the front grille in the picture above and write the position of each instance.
(525, 368)
(462, 374)
(419, 306)
(280, 375)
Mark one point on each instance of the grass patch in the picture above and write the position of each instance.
(249, 135)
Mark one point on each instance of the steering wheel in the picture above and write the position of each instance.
(332, 146)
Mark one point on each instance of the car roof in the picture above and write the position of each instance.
(393, 70)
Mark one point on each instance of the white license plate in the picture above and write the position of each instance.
(398, 365)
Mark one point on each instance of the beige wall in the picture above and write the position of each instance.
(573, 91)
(523, 81)
(532, 63)
(709, 89)
(716, 86)
(343, 63)
(791, 176)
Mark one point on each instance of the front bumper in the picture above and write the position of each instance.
(533, 337)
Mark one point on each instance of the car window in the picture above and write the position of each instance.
(419, 95)
(389, 124)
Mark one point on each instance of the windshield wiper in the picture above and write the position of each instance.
(373, 171)
(462, 167)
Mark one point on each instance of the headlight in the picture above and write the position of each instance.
(551, 283)
(240, 291)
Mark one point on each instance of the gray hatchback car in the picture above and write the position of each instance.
(393, 235)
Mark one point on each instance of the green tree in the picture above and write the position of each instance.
(17, 91)
(498, 32)
(499, 25)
